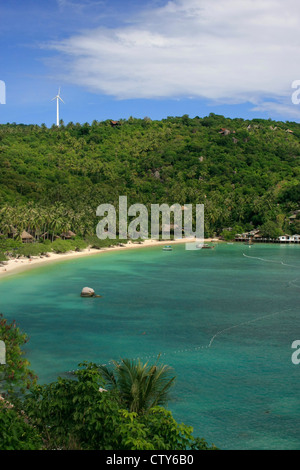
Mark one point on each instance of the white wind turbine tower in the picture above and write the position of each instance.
(57, 98)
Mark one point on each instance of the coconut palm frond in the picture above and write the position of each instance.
(141, 386)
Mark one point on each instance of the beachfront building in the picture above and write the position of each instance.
(255, 235)
(26, 237)
(289, 238)
(283, 238)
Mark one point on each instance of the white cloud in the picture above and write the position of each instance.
(279, 109)
(227, 51)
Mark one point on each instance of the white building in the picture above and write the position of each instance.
(289, 238)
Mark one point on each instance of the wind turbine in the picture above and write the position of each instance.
(57, 98)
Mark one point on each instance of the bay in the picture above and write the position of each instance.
(224, 319)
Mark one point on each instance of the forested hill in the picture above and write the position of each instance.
(243, 171)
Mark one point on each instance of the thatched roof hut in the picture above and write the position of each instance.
(26, 237)
(68, 234)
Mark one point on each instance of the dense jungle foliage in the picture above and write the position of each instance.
(246, 173)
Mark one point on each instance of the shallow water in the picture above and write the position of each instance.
(224, 319)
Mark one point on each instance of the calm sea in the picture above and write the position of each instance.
(224, 319)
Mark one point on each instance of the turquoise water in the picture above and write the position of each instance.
(224, 319)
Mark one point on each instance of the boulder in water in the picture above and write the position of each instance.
(87, 292)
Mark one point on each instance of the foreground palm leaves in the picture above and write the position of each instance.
(140, 386)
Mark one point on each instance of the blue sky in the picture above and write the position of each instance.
(157, 58)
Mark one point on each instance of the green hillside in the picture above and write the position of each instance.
(54, 179)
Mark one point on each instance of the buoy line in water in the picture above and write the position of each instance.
(246, 323)
(271, 261)
(208, 346)
(292, 283)
(198, 348)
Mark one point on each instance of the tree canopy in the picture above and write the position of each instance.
(52, 180)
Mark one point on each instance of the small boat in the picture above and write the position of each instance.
(167, 248)
(205, 245)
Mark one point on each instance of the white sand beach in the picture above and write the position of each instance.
(14, 266)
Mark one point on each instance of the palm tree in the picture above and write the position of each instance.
(140, 386)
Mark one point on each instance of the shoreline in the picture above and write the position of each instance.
(15, 266)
